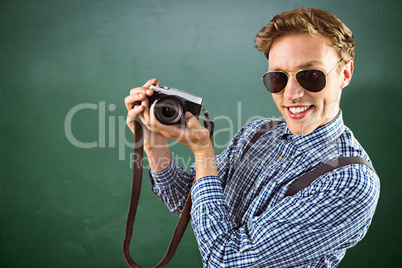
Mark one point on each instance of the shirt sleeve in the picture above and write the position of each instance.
(327, 217)
(172, 186)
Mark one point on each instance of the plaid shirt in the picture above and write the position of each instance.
(242, 219)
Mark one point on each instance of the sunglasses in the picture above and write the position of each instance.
(310, 80)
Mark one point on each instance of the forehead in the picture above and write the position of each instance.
(298, 51)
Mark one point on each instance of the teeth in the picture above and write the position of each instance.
(298, 110)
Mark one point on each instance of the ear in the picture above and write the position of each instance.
(346, 75)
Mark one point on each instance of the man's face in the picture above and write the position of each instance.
(304, 111)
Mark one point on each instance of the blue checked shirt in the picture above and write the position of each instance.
(242, 219)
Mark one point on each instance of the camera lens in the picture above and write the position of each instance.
(170, 110)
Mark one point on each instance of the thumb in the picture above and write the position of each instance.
(192, 121)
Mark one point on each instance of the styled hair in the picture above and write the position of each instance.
(308, 20)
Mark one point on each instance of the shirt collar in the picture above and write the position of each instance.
(322, 135)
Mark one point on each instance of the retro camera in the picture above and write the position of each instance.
(172, 104)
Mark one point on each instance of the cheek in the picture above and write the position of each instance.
(333, 90)
(329, 102)
(332, 97)
(277, 99)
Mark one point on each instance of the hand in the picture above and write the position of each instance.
(137, 104)
(194, 136)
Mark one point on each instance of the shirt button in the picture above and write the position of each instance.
(280, 157)
(253, 186)
(236, 220)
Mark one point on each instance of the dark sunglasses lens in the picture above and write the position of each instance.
(275, 82)
(311, 80)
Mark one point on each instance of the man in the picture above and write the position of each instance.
(240, 214)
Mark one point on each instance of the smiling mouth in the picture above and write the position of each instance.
(298, 110)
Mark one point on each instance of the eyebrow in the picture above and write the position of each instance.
(303, 66)
(311, 63)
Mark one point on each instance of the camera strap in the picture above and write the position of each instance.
(135, 196)
(209, 124)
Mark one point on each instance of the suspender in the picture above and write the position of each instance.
(295, 187)
(310, 176)
(313, 174)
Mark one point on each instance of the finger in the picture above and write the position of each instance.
(192, 121)
(135, 92)
(174, 132)
(149, 92)
(135, 98)
(150, 82)
(146, 111)
(199, 132)
(133, 113)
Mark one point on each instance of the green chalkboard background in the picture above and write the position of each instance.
(65, 68)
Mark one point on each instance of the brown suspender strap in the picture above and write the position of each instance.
(310, 176)
(135, 195)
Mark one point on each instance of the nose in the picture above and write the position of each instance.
(293, 90)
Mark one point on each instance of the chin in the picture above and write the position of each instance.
(301, 129)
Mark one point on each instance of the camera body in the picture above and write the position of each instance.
(172, 104)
